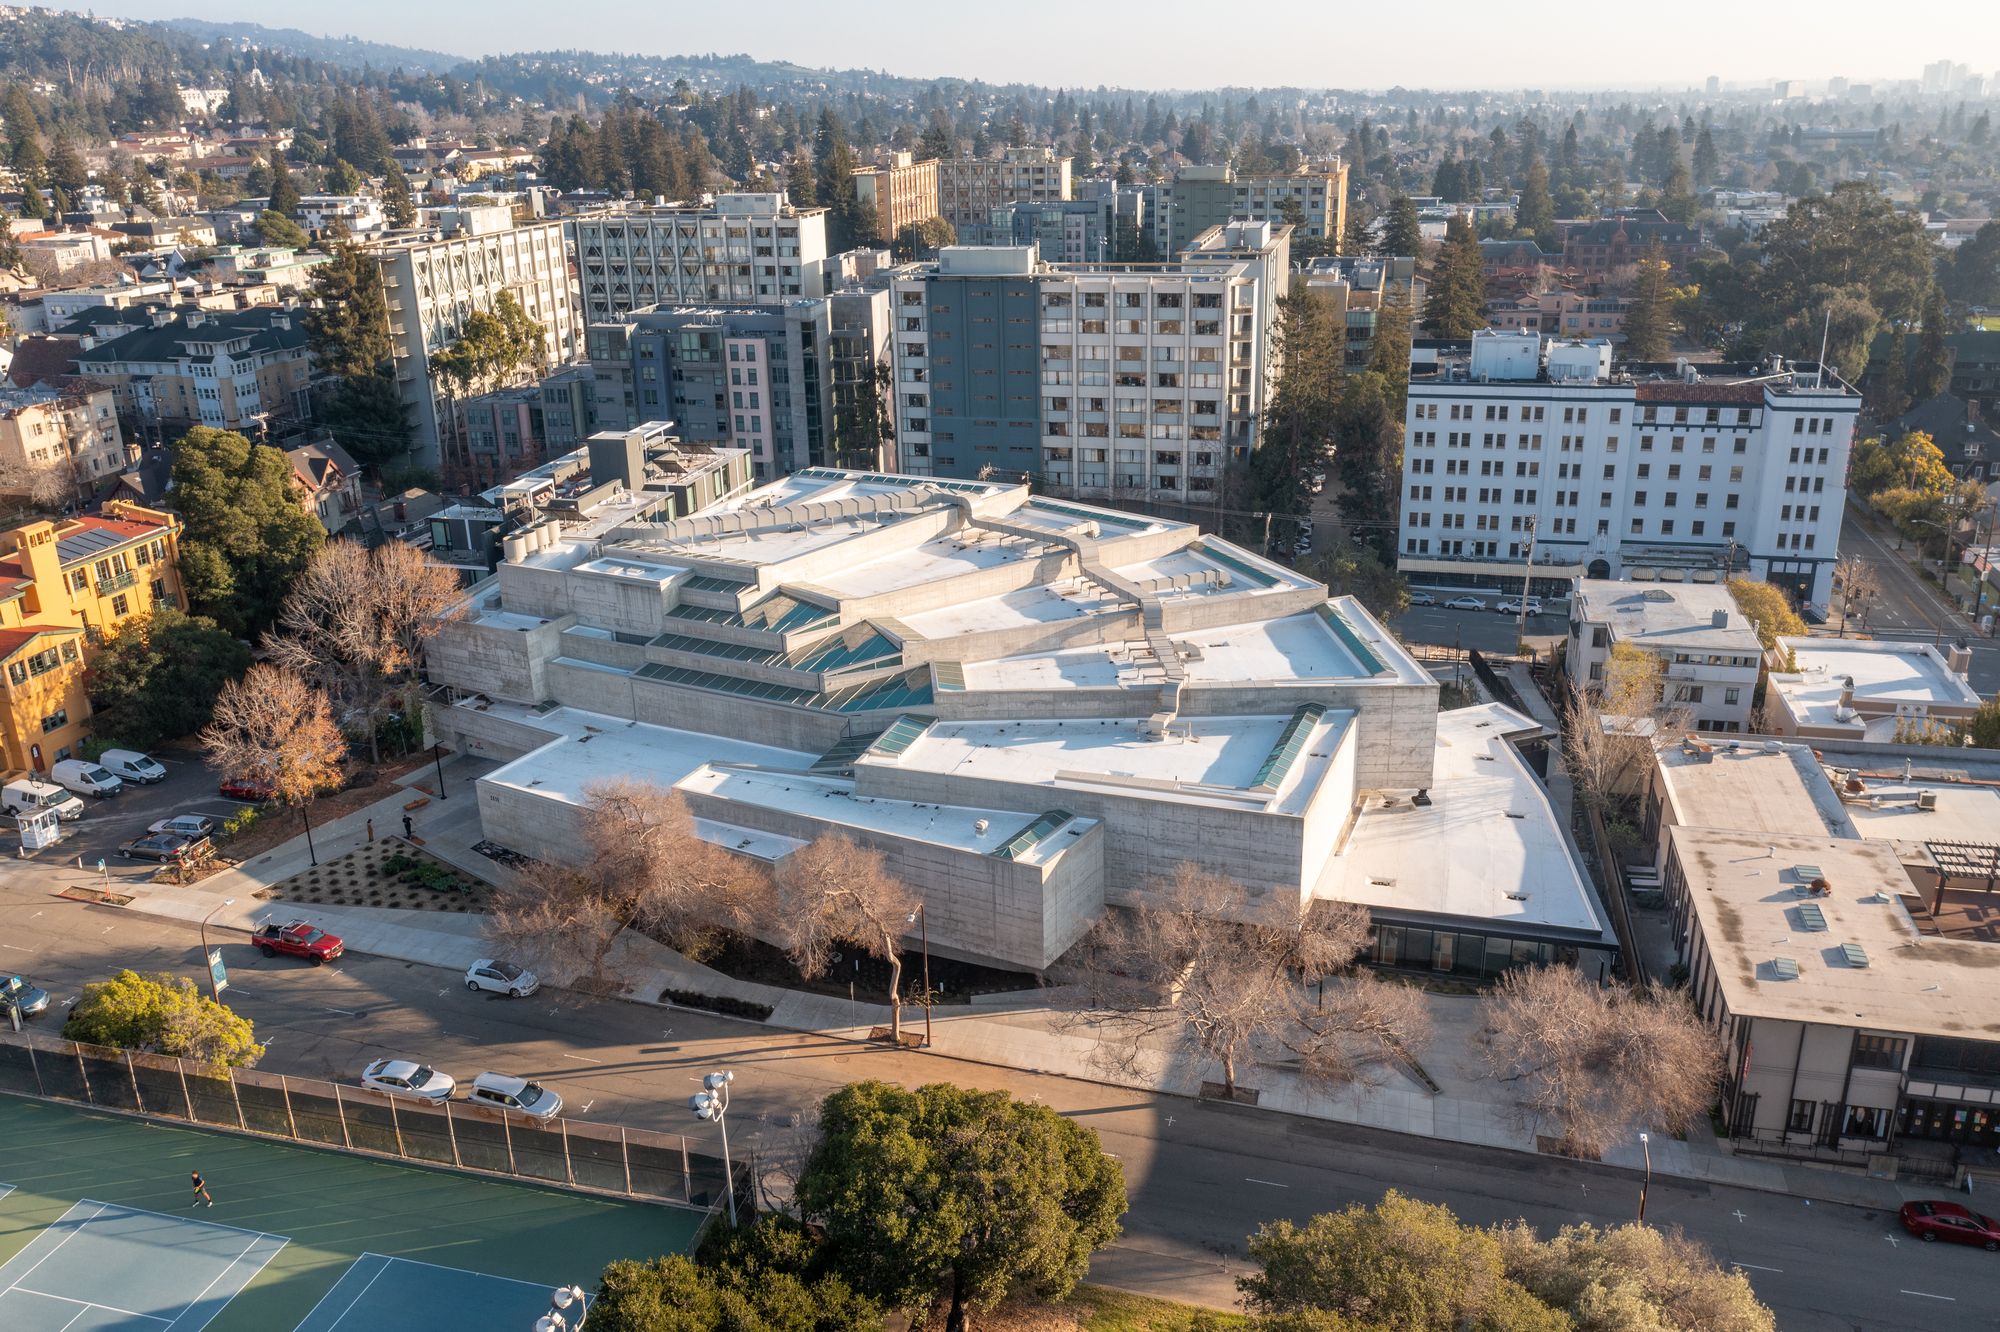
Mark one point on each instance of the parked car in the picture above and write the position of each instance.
(405, 1077)
(16, 993)
(164, 846)
(1422, 599)
(187, 825)
(1931, 1221)
(516, 1094)
(500, 977)
(1465, 603)
(298, 938)
(1303, 546)
(132, 766)
(31, 793)
(86, 778)
(1316, 482)
(1512, 606)
(245, 788)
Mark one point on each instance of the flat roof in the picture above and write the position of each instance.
(947, 555)
(592, 747)
(1204, 759)
(1043, 603)
(1748, 889)
(1885, 674)
(1487, 849)
(1759, 785)
(1668, 617)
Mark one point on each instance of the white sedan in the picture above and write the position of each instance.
(1465, 603)
(497, 977)
(404, 1077)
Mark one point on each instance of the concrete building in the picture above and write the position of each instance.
(1359, 288)
(1639, 472)
(1312, 199)
(1709, 654)
(245, 370)
(970, 188)
(858, 342)
(1879, 691)
(898, 193)
(58, 441)
(1118, 379)
(1073, 231)
(433, 285)
(62, 585)
(1033, 708)
(745, 248)
(355, 214)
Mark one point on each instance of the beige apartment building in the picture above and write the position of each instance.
(898, 193)
(970, 188)
(54, 439)
(243, 370)
(1313, 199)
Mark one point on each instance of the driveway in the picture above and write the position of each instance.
(106, 824)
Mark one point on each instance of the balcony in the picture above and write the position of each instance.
(117, 583)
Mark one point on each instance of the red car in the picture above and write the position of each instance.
(300, 939)
(1949, 1221)
(244, 788)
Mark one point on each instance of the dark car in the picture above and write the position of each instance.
(16, 993)
(164, 846)
(1949, 1221)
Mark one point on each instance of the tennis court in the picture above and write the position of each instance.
(96, 1234)
(103, 1267)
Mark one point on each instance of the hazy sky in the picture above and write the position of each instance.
(1180, 43)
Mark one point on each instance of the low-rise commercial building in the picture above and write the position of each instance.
(1709, 653)
(1880, 691)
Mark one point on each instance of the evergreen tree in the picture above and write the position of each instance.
(1649, 317)
(342, 178)
(1705, 160)
(937, 140)
(348, 331)
(284, 192)
(1888, 395)
(66, 169)
(1536, 214)
(1402, 234)
(1456, 304)
(1572, 157)
(244, 536)
(1677, 195)
(801, 182)
(397, 200)
(1932, 368)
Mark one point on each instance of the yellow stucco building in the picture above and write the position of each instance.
(63, 584)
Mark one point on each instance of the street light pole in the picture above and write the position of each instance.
(437, 757)
(921, 919)
(214, 992)
(560, 1302)
(1646, 1145)
(712, 1104)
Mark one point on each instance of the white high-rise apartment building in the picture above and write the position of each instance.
(1631, 471)
(745, 248)
(969, 188)
(433, 285)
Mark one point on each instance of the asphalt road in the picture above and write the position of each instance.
(107, 824)
(1907, 607)
(1201, 1176)
(1483, 631)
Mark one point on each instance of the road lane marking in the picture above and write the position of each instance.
(587, 1105)
(1926, 1295)
(1738, 1214)
(344, 1012)
(1270, 1183)
(583, 1059)
(1755, 1268)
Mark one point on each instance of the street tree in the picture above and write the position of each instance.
(244, 535)
(1591, 1065)
(155, 677)
(1632, 1278)
(641, 867)
(833, 892)
(1768, 609)
(1455, 306)
(1214, 977)
(1361, 573)
(1910, 461)
(162, 1014)
(1856, 585)
(1400, 1265)
(967, 1196)
(271, 728)
(355, 622)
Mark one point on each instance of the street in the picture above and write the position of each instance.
(1201, 1176)
(1475, 631)
(1907, 607)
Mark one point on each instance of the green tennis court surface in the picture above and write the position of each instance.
(96, 1235)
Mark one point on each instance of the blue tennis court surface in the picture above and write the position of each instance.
(402, 1295)
(107, 1268)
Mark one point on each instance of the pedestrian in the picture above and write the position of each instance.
(371, 831)
(201, 1197)
(409, 828)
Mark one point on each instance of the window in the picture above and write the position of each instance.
(55, 721)
(121, 605)
(1801, 1118)
(1878, 1051)
(1732, 696)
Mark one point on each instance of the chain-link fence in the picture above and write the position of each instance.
(603, 1158)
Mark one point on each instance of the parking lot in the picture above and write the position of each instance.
(1483, 631)
(107, 824)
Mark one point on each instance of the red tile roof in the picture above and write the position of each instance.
(1745, 395)
(13, 640)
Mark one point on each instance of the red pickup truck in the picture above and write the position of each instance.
(300, 939)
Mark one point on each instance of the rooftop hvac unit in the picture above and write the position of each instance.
(1927, 800)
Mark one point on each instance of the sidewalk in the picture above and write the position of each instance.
(1020, 1032)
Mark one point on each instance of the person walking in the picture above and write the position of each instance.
(409, 828)
(201, 1196)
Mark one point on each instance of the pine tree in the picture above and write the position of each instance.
(937, 140)
(1536, 214)
(801, 183)
(1403, 234)
(1888, 394)
(1456, 304)
(284, 193)
(397, 200)
(1677, 195)
(1649, 317)
(1704, 159)
(1932, 369)
(67, 171)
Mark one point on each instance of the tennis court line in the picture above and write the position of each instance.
(463, 1271)
(268, 1256)
(88, 1304)
(362, 1296)
(182, 1216)
(6, 1189)
(310, 1313)
(78, 1230)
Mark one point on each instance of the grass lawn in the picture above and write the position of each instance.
(1101, 1309)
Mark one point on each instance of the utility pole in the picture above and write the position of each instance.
(1527, 581)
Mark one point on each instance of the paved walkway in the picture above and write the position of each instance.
(1021, 1032)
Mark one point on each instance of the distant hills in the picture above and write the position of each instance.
(347, 52)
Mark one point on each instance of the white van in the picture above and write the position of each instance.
(29, 793)
(130, 765)
(86, 778)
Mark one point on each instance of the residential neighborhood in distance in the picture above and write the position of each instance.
(918, 679)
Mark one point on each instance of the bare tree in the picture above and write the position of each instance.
(1614, 728)
(1599, 1061)
(273, 729)
(645, 869)
(1858, 585)
(355, 622)
(835, 891)
(1225, 978)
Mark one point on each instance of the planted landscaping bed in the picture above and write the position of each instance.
(955, 982)
(390, 873)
